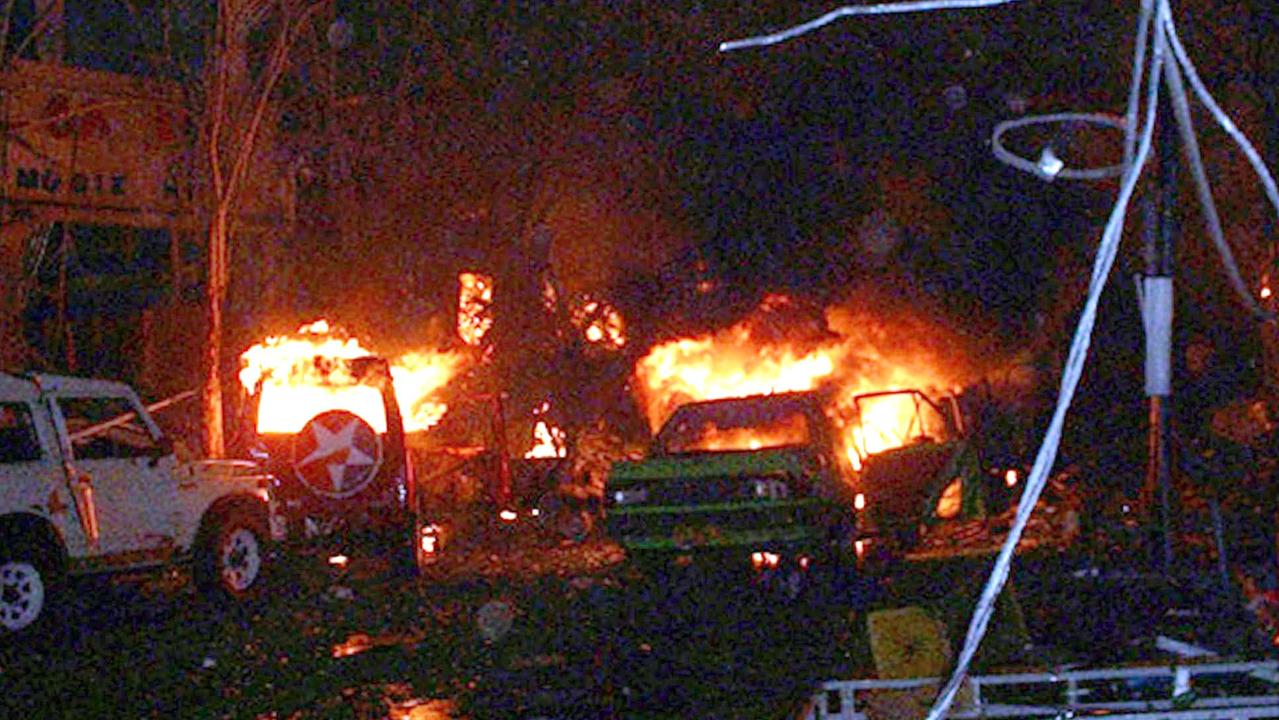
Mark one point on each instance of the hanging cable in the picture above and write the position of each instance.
(1157, 29)
(1064, 173)
(1144, 21)
(897, 8)
(1203, 189)
(1205, 97)
(1047, 454)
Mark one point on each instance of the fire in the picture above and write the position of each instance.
(418, 376)
(787, 432)
(731, 363)
(301, 375)
(549, 441)
(474, 307)
(601, 324)
(779, 349)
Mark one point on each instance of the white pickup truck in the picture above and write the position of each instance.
(89, 484)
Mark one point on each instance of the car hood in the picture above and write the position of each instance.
(716, 464)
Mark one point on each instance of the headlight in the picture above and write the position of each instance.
(629, 497)
(770, 489)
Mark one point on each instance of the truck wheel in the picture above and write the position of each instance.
(231, 557)
(27, 584)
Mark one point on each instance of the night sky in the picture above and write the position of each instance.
(856, 155)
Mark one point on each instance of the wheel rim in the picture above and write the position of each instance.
(21, 595)
(241, 560)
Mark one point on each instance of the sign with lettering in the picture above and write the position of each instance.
(88, 139)
(93, 141)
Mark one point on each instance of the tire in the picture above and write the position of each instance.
(231, 556)
(28, 585)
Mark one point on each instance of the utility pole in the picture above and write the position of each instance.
(1160, 230)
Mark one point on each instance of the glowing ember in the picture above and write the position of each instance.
(302, 375)
(779, 349)
(1010, 478)
(601, 324)
(430, 538)
(474, 307)
(548, 442)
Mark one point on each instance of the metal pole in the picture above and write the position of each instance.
(1164, 261)
(1160, 235)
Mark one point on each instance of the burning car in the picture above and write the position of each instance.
(346, 465)
(330, 420)
(761, 480)
(772, 480)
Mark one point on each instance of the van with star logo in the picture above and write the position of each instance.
(89, 484)
(343, 478)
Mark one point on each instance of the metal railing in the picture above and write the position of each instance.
(1199, 691)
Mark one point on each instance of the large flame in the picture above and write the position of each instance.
(852, 353)
(731, 363)
(305, 374)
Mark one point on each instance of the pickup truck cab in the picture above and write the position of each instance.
(89, 484)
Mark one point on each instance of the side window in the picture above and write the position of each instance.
(18, 440)
(106, 428)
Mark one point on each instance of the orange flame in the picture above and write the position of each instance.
(308, 373)
(548, 442)
(728, 364)
(601, 324)
(852, 354)
(789, 431)
(474, 307)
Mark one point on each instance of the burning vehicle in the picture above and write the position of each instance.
(769, 477)
(759, 478)
(790, 440)
(330, 421)
(928, 473)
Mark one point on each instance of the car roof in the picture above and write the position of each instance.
(805, 399)
(29, 386)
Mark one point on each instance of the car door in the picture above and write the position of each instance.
(130, 473)
(31, 475)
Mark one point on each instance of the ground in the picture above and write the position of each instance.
(587, 637)
(362, 642)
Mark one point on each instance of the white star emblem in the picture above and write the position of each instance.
(340, 449)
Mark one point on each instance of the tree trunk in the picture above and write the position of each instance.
(214, 439)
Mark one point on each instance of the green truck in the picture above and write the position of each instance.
(769, 483)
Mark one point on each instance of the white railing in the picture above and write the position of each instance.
(1199, 691)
